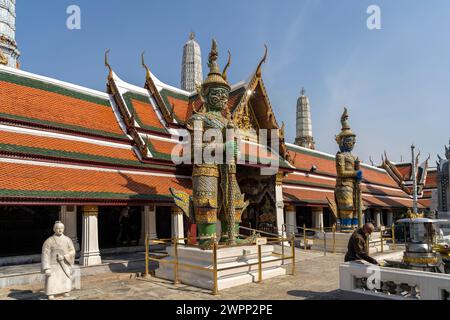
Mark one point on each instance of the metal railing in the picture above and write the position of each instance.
(383, 239)
(303, 235)
(216, 247)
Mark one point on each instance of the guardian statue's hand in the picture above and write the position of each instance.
(48, 273)
(359, 175)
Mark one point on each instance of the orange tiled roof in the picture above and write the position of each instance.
(44, 182)
(317, 196)
(147, 114)
(330, 183)
(432, 179)
(304, 160)
(32, 144)
(405, 170)
(44, 104)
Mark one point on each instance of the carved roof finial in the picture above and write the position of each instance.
(303, 91)
(224, 73)
(192, 35)
(110, 75)
(145, 66)
(263, 60)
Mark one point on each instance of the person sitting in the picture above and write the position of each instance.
(357, 245)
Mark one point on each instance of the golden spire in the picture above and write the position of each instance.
(346, 130)
(215, 77)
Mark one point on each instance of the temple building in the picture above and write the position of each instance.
(191, 66)
(8, 46)
(96, 159)
(304, 136)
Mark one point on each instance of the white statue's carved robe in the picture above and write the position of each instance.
(60, 280)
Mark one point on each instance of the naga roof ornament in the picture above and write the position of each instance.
(110, 75)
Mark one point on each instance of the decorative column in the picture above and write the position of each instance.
(390, 218)
(148, 224)
(378, 218)
(318, 217)
(279, 202)
(177, 224)
(90, 252)
(291, 219)
(68, 216)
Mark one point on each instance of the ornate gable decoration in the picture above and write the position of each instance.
(154, 93)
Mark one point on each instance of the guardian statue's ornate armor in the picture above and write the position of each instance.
(216, 193)
(347, 191)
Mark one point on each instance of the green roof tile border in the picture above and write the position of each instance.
(80, 195)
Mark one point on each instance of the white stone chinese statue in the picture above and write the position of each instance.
(58, 257)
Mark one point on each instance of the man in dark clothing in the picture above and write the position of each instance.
(357, 245)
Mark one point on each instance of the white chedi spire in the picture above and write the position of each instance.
(304, 136)
(191, 68)
(8, 46)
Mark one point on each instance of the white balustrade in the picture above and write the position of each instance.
(392, 283)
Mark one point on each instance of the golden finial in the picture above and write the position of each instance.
(346, 130)
(110, 75)
(282, 130)
(263, 60)
(213, 55)
(148, 76)
(215, 77)
(344, 120)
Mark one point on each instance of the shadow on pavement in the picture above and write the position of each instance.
(313, 295)
(26, 295)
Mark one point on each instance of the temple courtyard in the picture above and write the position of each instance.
(317, 277)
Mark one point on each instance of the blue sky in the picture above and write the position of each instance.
(395, 81)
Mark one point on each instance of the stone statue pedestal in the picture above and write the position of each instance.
(239, 257)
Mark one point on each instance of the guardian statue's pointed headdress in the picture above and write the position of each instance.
(215, 77)
(346, 131)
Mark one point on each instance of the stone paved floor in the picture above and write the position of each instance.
(317, 277)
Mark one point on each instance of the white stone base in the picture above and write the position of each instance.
(239, 257)
(90, 258)
(342, 242)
